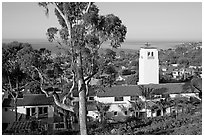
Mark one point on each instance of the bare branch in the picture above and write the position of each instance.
(64, 16)
(61, 105)
(90, 76)
(87, 86)
(87, 9)
(41, 81)
(10, 84)
(71, 89)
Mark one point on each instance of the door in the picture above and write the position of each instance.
(27, 112)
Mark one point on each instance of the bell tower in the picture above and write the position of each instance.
(148, 65)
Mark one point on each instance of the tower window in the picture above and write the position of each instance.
(148, 53)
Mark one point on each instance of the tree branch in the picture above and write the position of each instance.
(87, 9)
(87, 86)
(90, 76)
(71, 89)
(64, 16)
(61, 105)
(41, 81)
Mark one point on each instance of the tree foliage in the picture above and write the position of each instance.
(82, 32)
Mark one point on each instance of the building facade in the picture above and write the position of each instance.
(148, 66)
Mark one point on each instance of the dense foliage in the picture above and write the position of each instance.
(183, 124)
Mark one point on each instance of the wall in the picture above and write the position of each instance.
(9, 115)
(115, 107)
(148, 67)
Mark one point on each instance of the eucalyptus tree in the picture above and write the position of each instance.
(14, 80)
(82, 32)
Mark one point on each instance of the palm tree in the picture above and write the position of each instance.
(146, 92)
(102, 109)
(137, 105)
(153, 108)
(181, 102)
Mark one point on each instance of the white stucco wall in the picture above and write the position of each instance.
(50, 111)
(9, 115)
(148, 67)
(185, 95)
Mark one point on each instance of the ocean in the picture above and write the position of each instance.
(127, 45)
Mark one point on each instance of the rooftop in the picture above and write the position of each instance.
(134, 90)
(29, 100)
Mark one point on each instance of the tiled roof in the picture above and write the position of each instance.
(132, 90)
(118, 91)
(30, 100)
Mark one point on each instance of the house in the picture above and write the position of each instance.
(119, 98)
(175, 65)
(33, 107)
(30, 106)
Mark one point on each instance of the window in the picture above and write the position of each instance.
(133, 98)
(27, 111)
(125, 112)
(118, 98)
(59, 126)
(6, 109)
(33, 111)
(115, 113)
(45, 110)
(148, 53)
(91, 98)
(40, 110)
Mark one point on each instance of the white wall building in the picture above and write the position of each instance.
(34, 105)
(148, 66)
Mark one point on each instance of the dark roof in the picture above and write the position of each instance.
(30, 100)
(91, 92)
(133, 90)
(91, 107)
(118, 91)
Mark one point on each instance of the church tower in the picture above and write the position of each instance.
(148, 65)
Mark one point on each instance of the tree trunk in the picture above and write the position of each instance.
(65, 120)
(82, 108)
(145, 108)
(82, 96)
(15, 108)
(135, 113)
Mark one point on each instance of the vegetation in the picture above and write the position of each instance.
(81, 34)
(189, 123)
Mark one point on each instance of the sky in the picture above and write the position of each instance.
(147, 21)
